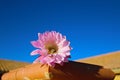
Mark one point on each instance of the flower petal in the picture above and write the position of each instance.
(35, 52)
(37, 60)
(35, 44)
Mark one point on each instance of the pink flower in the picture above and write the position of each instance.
(52, 47)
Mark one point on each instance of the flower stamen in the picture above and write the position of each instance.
(52, 48)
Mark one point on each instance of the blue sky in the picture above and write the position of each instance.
(92, 26)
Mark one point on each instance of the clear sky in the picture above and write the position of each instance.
(92, 26)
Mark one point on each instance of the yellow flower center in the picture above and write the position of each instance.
(52, 48)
